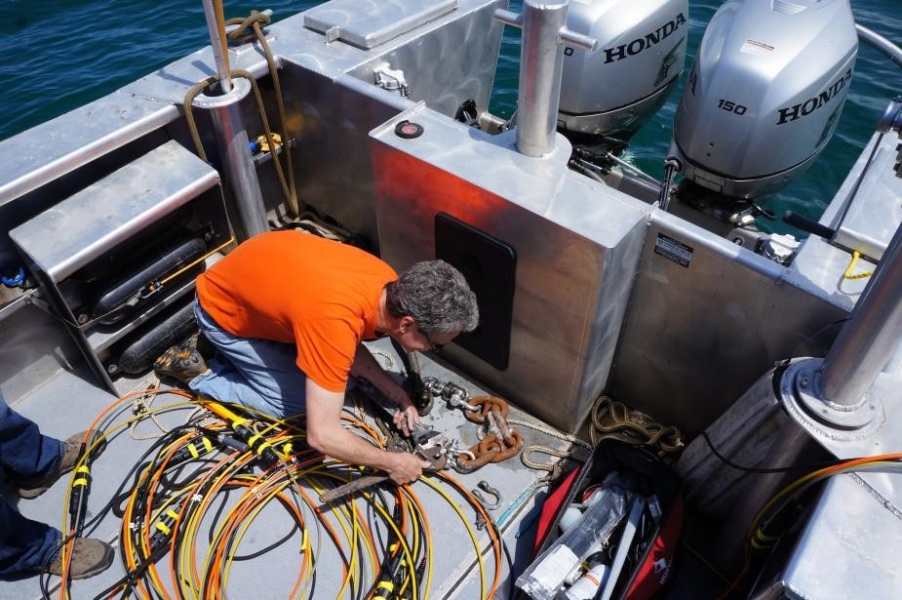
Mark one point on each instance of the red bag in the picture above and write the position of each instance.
(645, 576)
(657, 568)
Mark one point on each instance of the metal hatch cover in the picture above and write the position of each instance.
(367, 24)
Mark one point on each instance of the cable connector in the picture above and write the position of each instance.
(198, 446)
(78, 498)
(259, 444)
(163, 528)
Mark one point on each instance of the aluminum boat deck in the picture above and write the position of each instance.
(67, 404)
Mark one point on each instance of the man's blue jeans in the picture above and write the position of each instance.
(25, 545)
(260, 374)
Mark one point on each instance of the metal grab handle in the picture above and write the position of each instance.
(574, 38)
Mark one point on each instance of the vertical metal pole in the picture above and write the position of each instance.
(238, 168)
(225, 77)
(869, 338)
(541, 62)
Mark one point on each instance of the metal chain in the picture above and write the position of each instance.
(499, 444)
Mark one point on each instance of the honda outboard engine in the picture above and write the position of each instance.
(641, 53)
(764, 94)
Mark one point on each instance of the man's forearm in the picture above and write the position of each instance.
(366, 367)
(343, 445)
(326, 434)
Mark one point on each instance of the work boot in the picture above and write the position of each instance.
(89, 557)
(33, 487)
(181, 363)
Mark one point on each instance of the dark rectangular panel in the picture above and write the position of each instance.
(489, 265)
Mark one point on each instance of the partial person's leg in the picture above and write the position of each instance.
(24, 451)
(25, 545)
(259, 374)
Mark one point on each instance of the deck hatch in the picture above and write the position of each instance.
(370, 24)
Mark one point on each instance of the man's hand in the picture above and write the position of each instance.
(406, 468)
(326, 434)
(406, 417)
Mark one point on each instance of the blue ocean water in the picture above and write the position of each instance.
(57, 55)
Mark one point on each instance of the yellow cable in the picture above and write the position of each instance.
(399, 534)
(470, 531)
(756, 535)
(848, 274)
(169, 278)
(258, 500)
(290, 484)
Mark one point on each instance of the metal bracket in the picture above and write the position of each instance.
(392, 80)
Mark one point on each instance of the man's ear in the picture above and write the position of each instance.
(405, 323)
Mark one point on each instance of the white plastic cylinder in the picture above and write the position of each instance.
(588, 584)
(572, 515)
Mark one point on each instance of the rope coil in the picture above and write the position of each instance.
(612, 419)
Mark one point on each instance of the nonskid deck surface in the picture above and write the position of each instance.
(279, 540)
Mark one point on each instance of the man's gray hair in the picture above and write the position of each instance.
(436, 295)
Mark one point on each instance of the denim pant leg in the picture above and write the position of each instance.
(260, 374)
(25, 545)
(24, 451)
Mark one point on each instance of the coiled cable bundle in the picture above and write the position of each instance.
(203, 513)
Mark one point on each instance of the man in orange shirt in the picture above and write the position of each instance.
(287, 312)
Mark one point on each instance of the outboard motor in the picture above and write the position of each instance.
(764, 94)
(640, 56)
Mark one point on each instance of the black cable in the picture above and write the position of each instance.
(169, 484)
(781, 368)
(402, 354)
(296, 526)
(140, 466)
(131, 577)
(391, 561)
(147, 484)
(217, 514)
(44, 581)
(383, 537)
(122, 494)
(507, 555)
(419, 571)
(87, 528)
(729, 463)
(141, 492)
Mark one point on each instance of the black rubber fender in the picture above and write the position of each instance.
(121, 297)
(149, 342)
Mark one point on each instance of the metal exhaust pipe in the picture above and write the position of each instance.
(545, 30)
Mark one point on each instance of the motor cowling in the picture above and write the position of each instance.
(640, 56)
(764, 94)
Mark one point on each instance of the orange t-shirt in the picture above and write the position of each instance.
(298, 288)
